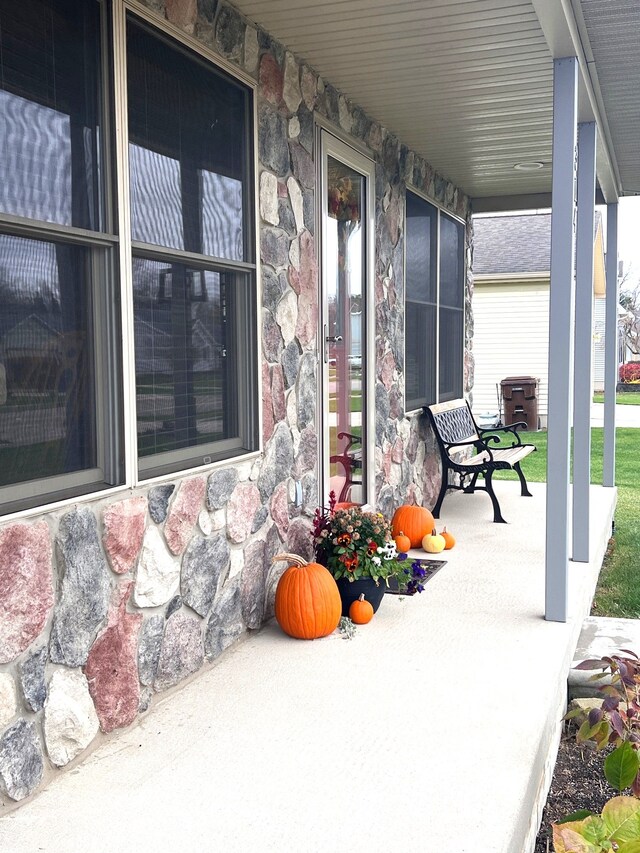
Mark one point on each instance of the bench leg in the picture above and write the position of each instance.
(472, 485)
(497, 515)
(435, 512)
(524, 490)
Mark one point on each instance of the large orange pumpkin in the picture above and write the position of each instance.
(307, 602)
(414, 521)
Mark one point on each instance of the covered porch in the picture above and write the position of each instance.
(433, 729)
(524, 105)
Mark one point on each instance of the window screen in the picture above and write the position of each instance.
(50, 108)
(189, 164)
(451, 309)
(434, 316)
(46, 356)
(188, 148)
(185, 355)
(421, 302)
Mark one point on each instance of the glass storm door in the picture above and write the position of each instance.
(347, 313)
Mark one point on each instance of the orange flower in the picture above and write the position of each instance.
(350, 561)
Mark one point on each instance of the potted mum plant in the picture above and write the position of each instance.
(358, 549)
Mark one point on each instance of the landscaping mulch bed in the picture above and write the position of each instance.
(578, 783)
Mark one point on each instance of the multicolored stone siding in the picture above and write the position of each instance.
(107, 603)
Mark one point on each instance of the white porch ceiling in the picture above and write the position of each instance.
(466, 83)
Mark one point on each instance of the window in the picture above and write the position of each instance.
(434, 306)
(193, 271)
(192, 282)
(56, 258)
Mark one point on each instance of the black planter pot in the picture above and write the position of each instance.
(350, 591)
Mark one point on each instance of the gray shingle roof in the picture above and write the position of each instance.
(512, 244)
(520, 243)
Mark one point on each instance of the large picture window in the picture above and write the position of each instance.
(57, 435)
(191, 288)
(434, 306)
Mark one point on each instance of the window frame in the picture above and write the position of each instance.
(441, 211)
(114, 349)
(122, 10)
(250, 430)
(104, 292)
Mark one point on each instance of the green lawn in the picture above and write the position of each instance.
(630, 398)
(618, 592)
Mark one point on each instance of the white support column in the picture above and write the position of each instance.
(583, 347)
(611, 349)
(565, 96)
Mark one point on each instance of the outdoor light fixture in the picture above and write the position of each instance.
(529, 166)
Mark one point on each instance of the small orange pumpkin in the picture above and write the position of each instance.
(416, 521)
(361, 611)
(403, 543)
(307, 604)
(449, 539)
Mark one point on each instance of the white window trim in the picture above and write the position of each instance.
(441, 208)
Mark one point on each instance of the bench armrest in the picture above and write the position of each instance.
(480, 446)
(488, 434)
(351, 440)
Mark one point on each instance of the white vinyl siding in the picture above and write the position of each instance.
(598, 342)
(511, 338)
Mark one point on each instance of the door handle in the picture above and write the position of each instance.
(329, 339)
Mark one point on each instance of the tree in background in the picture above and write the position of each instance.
(630, 322)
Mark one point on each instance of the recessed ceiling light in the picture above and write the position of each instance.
(529, 166)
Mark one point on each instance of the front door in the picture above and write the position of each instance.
(347, 318)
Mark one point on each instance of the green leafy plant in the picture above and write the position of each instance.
(617, 828)
(356, 544)
(617, 720)
(347, 628)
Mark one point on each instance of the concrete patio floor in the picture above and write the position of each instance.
(431, 730)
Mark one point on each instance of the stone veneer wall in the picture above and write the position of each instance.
(105, 604)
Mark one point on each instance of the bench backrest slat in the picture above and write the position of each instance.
(453, 421)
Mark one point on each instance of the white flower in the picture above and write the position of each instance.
(389, 550)
(377, 560)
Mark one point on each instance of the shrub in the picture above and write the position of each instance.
(617, 828)
(630, 372)
(617, 721)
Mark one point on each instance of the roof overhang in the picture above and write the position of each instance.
(468, 84)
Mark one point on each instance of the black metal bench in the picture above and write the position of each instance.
(351, 461)
(456, 429)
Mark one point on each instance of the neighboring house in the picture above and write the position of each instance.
(248, 226)
(511, 304)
